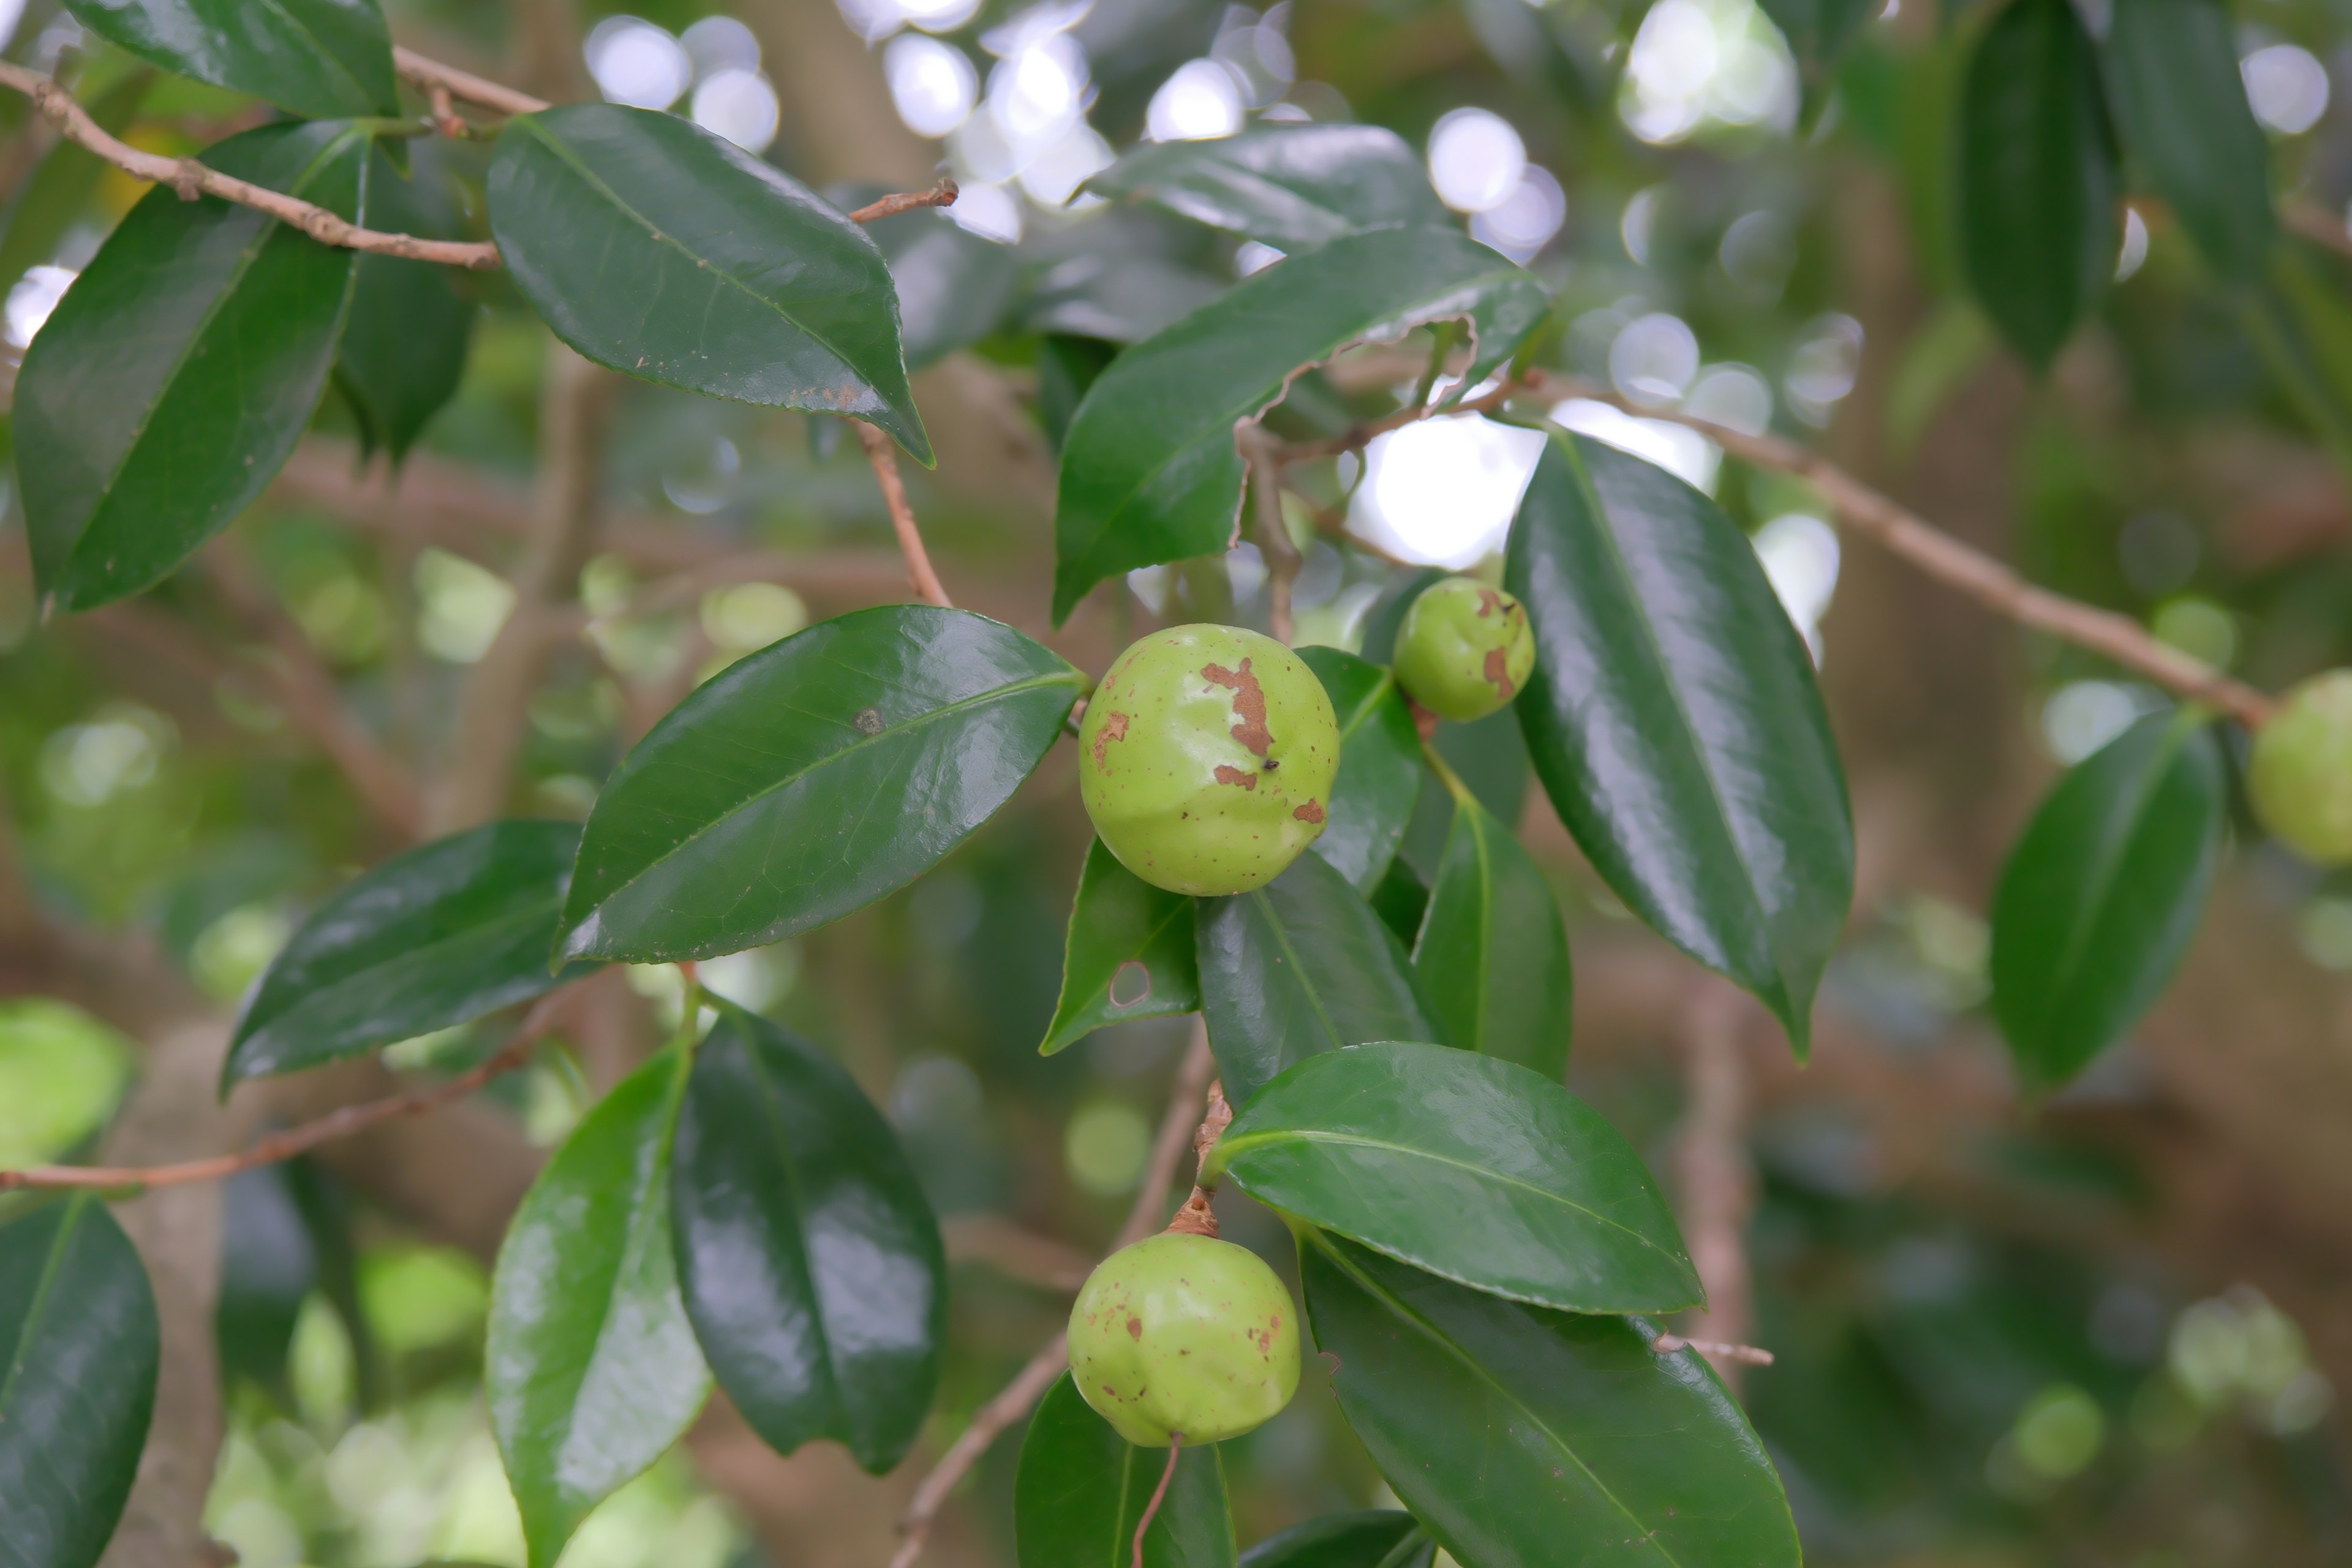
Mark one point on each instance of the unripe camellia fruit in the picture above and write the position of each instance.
(2301, 776)
(1184, 1334)
(1207, 759)
(1464, 650)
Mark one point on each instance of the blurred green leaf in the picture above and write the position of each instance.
(1674, 721)
(2100, 897)
(1380, 767)
(2181, 103)
(1081, 1489)
(810, 779)
(654, 246)
(1377, 1538)
(403, 348)
(268, 1265)
(1129, 953)
(812, 1266)
(61, 1072)
(1524, 1438)
(1467, 1167)
(1293, 187)
(954, 286)
(1818, 32)
(321, 59)
(1492, 957)
(440, 935)
(589, 1365)
(57, 193)
(78, 1351)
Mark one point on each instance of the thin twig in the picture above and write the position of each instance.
(299, 1140)
(1282, 557)
(942, 194)
(1159, 1493)
(428, 74)
(884, 455)
(1718, 1182)
(1714, 1349)
(2315, 223)
(1018, 1254)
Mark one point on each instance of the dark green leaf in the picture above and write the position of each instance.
(1673, 719)
(1467, 1167)
(1378, 1537)
(810, 779)
(2038, 177)
(1490, 756)
(1081, 1490)
(1401, 899)
(1117, 297)
(953, 286)
(403, 348)
(1380, 767)
(322, 59)
(1818, 32)
(1524, 1437)
(2181, 103)
(1293, 187)
(268, 1264)
(1149, 472)
(589, 1365)
(1492, 958)
(58, 191)
(79, 1349)
(445, 934)
(1066, 367)
(2101, 896)
(1129, 956)
(653, 246)
(178, 372)
(812, 1266)
(1300, 966)
(1386, 617)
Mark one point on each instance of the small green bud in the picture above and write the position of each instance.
(1464, 650)
(2301, 776)
(1185, 1334)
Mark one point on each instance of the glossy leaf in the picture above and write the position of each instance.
(1300, 966)
(589, 1365)
(1129, 953)
(1377, 1538)
(1524, 1437)
(1290, 187)
(1467, 1167)
(444, 933)
(2038, 180)
(1673, 719)
(403, 348)
(1081, 1490)
(321, 59)
(652, 245)
(2101, 896)
(175, 377)
(1149, 471)
(57, 194)
(78, 1349)
(810, 779)
(2180, 101)
(811, 1263)
(1492, 957)
(1380, 767)
(953, 286)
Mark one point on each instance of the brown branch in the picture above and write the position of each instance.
(942, 194)
(1716, 1351)
(1719, 1186)
(996, 1243)
(2316, 223)
(1282, 557)
(431, 76)
(884, 455)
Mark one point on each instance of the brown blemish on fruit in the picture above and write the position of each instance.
(1489, 603)
(1135, 1328)
(1310, 812)
(1249, 704)
(1232, 775)
(1113, 729)
(1499, 672)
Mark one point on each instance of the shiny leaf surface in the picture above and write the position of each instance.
(1129, 953)
(1292, 187)
(1673, 719)
(2101, 896)
(811, 1263)
(404, 347)
(2038, 178)
(589, 1365)
(810, 779)
(1081, 1490)
(175, 375)
(1466, 1167)
(1377, 1538)
(1149, 472)
(1524, 1438)
(1492, 957)
(78, 1349)
(441, 934)
(1299, 966)
(652, 245)
(321, 59)
(2180, 101)
(1380, 767)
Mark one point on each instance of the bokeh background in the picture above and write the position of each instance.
(2113, 1328)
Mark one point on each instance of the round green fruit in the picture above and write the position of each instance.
(1185, 1335)
(2301, 776)
(1207, 759)
(1464, 650)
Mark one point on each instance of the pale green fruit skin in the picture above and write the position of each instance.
(1191, 783)
(1184, 1334)
(1464, 650)
(2301, 775)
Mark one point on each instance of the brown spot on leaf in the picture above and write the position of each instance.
(1499, 672)
(1241, 776)
(868, 721)
(1249, 704)
(1310, 812)
(1114, 727)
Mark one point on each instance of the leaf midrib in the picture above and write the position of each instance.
(75, 1208)
(470, 937)
(771, 1112)
(323, 53)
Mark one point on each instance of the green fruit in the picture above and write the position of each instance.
(1464, 650)
(1184, 1334)
(1208, 756)
(2301, 777)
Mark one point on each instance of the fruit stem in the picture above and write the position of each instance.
(1195, 1217)
(1152, 1508)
